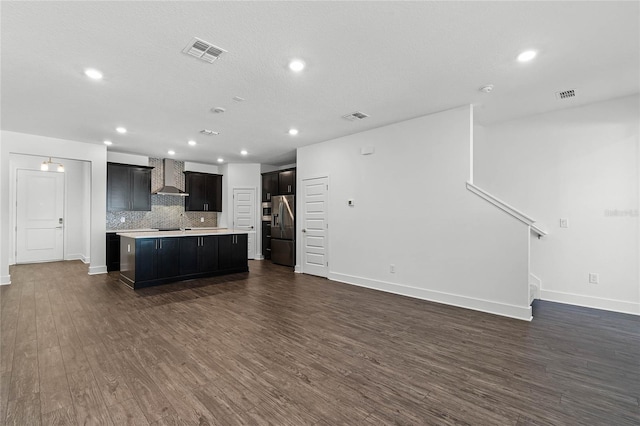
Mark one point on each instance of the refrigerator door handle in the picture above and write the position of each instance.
(280, 213)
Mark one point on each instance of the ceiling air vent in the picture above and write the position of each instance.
(566, 94)
(203, 50)
(209, 132)
(358, 115)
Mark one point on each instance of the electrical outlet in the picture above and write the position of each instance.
(594, 278)
(392, 268)
(202, 219)
(122, 219)
(351, 202)
(564, 223)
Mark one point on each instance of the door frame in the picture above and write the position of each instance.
(301, 215)
(14, 206)
(257, 206)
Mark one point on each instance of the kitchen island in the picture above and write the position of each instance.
(161, 257)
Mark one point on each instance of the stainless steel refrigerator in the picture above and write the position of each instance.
(283, 230)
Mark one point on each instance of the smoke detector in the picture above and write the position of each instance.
(566, 94)
(358, 115)
(218, 110)
(203, 50)
(209, 132)
(487, 88)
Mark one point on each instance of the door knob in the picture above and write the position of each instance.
(304, 230)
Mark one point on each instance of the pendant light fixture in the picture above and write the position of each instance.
(46, 164)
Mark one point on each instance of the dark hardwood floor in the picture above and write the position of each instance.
(273, 347)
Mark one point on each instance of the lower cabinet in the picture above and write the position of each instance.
(154, 261)
(113, 252)
(156, 258)
(198, 255)
(232, 251)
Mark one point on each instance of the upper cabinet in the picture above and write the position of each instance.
(205, 192)
(128, 187)
(269, 185)
(287, 182)
(278, 183)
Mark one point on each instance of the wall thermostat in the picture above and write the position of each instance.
(351, 202)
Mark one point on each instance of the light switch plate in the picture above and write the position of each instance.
(564, 223)
(122, 219)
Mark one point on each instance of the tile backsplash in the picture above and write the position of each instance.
(167, 211)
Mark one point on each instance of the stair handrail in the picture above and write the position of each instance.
(509, 209)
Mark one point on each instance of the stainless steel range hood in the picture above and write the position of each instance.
(169, 182)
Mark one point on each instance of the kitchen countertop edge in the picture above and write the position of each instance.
(189, 233)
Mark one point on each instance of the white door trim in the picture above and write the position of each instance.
(303, 225)
(255, 216)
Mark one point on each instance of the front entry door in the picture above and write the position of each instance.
(315, 230)
(40, 220)
(244, 216)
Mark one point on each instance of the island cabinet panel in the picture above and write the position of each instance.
(198, 255)
(113, 252)
(232, 251)
(152, 261)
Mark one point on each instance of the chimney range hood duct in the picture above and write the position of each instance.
(169, 182)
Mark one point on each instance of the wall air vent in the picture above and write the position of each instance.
(566, 94)
(209, 132)
(358, 115)
(203, 50)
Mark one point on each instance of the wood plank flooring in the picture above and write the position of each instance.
(271, 347)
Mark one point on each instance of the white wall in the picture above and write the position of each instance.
(21, 143)
(122, 158)
(580, 164)
(412, 209)
(76, 206)
(200, 167)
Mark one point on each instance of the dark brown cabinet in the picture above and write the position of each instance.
(113, 252)
(269, 186)
(128, 187)
(266, 240)
(156, 258)
(205, 192)
(287, 182)
(232, 251)
(198, 255)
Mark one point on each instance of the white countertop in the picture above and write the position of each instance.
(194, 232)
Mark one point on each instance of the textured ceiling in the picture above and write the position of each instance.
(392, 60)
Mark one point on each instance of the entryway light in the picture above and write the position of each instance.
(45, 166)
(121, 130)
(527, 55)
(171, 152)
(243, 152)
(220, 160)
(296, 65)
(293, 132)
(93, 74)
(192, 143)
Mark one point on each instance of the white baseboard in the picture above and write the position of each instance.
(81, 257)
(591, 302)
(496, 308)
(95, 270)
(298, 270)
(5, 279)
(259, 257)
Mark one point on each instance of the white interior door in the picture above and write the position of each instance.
(39, 216)
(244, 215)
(315, 229)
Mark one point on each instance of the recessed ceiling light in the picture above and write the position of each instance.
(171, 152)
(244, 152)
(192, 143)
(108, 143)
(121, 130)
(220, 160)
(296, 65)
(293, 132)
(527, 55)
(93, 74)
